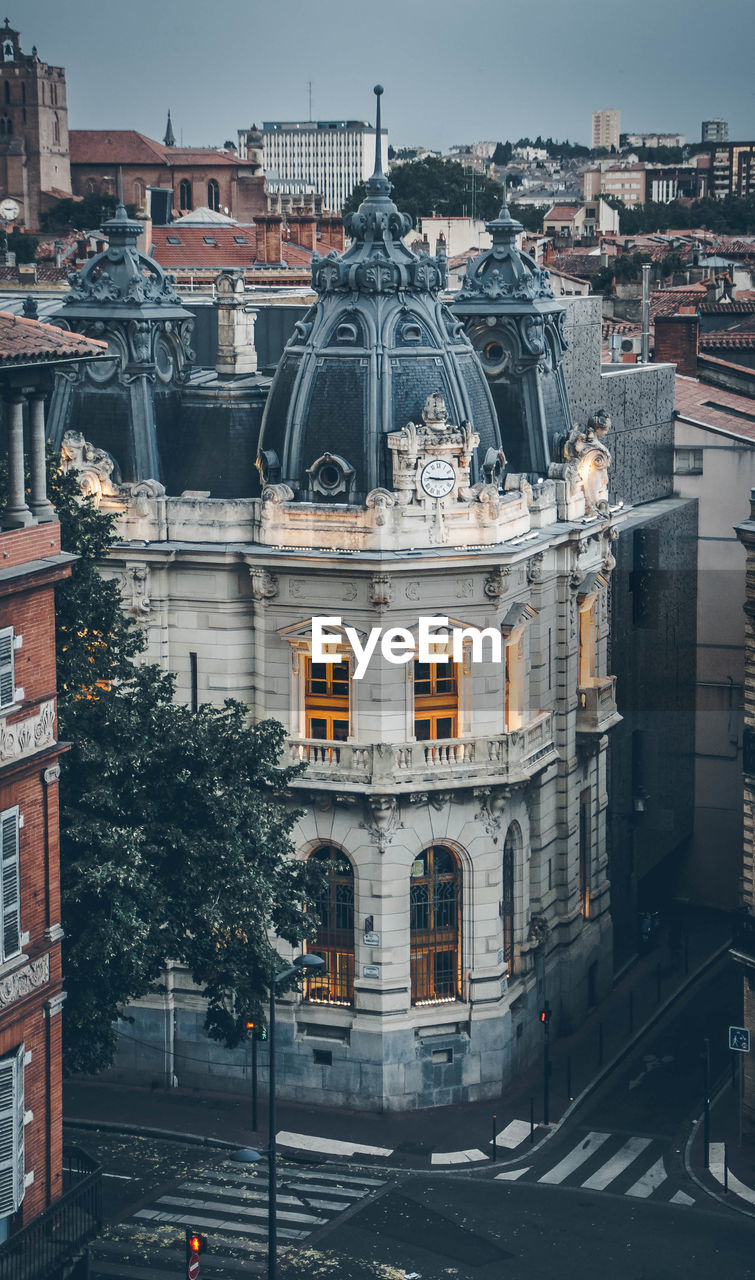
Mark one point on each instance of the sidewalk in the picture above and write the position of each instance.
(730, 1175)
(444, 1135)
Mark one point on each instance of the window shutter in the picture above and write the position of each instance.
(19, 1182)
(10, 888)
(7, 681)
(11, 1084)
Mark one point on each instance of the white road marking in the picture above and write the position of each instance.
(511, 1175)
(616, 1165)
(329, 1146)
(124, 1177)
(513, 1134)
(240, 1228)
(576, 1157)
(649, 1182)
(241, 1211)
(681, 1197)
(716, 1166)
(457, 1157)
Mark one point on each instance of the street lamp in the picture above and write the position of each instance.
(300, 964)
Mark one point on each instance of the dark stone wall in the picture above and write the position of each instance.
(651, 753)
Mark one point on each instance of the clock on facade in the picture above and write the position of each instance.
(9, 210)
(437, 478)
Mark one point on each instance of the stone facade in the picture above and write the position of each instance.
(35, 168)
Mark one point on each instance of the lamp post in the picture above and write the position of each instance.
(300, 964)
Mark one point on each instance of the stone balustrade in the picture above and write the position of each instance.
(596, 706)
(512, 757)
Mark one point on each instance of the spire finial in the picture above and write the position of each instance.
(120, 211)
(378, 171)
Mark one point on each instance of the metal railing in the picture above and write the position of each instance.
(59, 1234)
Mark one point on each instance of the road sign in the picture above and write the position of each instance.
(739, 1039)
(192, 1269)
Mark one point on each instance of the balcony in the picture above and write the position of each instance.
(46, 1248)
(508, 757)
(596, 706)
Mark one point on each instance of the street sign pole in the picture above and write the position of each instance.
(254, 1081)
(741, 1095)
(706, 1117)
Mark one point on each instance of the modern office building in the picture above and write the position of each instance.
(333, 155)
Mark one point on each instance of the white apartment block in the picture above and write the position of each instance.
(333, 155)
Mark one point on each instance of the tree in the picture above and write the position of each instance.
(71, 214)
(433, 186)
(174, 827)
(23, 245)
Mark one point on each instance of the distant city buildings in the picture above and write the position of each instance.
(606, 126)
(636, 182)
(654, 139)
(715, 131)
(581, 221)
(333, 155)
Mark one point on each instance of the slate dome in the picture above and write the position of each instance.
(363, 360)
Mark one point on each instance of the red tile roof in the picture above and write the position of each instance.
(126, 146)
(734, 341)
(193, 251)
(46, 274)
(583, 264)
(561, 213)
(25, 341)
(712, 406)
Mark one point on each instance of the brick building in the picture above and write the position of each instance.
(34, 164)
(37, 1183)
(198, 176)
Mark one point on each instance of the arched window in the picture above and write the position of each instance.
(56, 130)
(510, 846)
(335, 933)
(213, 195)
(435, 926)
(184, 195)
(7, 90)
(139, 191)
(91, 186)
(7, 51)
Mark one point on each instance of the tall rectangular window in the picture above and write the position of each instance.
(327, 700)
(514, 682)
(585, 840)
(436, 701)
(10, 885)
(588, 643)
(12, 1181)
(7, 672)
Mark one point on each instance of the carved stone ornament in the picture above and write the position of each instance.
(585, 453)
(496, 582)
(539, 930)
(383, 819)
(97, 469)
(264, 584)
(137, 588)
(381, 592)
(381, 501)
(493, 801)
(23, 981)
(535, 567)
(25, 737)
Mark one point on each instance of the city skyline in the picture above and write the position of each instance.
(512, 84)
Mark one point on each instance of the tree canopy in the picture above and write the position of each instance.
(433, 186)
(733, 215)
(175, 834)
(80, 215)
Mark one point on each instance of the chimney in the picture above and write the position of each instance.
(676, 341)
(236, 350)
(269, 246)
(440, 244)
(333, 233)
(305, 231)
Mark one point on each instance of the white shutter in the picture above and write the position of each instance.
(10, 884)
(7, 679)
(11, 1132)
(19, 1181)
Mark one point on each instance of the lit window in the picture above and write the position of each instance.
(334, 892)
(588, 649)
(514, 681)
(436, 701)
(435, 922)
(327, 700)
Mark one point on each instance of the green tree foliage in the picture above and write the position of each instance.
(175, 835)
(23, 245)
(430, 186)
(734, 215)
(530, 215)
(80, 215)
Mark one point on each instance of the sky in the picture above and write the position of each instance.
(454, 71)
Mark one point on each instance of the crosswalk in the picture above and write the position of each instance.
(610, 1162)
(228, 1204)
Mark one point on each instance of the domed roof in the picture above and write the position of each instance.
(362, 362)
(503, 273)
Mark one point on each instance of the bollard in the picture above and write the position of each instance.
(658, 979)
(532, 1120)
(494, 1141)
(631, 1012)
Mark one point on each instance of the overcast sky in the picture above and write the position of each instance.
(453, 70)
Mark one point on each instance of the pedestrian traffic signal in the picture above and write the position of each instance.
(258, 1032)
(195, 1243)
(545, 1015)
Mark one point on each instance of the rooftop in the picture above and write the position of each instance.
(25, 342)
(714, 407)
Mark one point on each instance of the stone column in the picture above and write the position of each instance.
(16, 515)
(40, 505)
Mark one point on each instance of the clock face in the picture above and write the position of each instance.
(9, 210)
(437, 478)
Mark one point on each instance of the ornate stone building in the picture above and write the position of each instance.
(455, 791)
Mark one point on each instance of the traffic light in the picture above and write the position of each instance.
(195, 1243)
(545, 1015)
(255, 1030)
